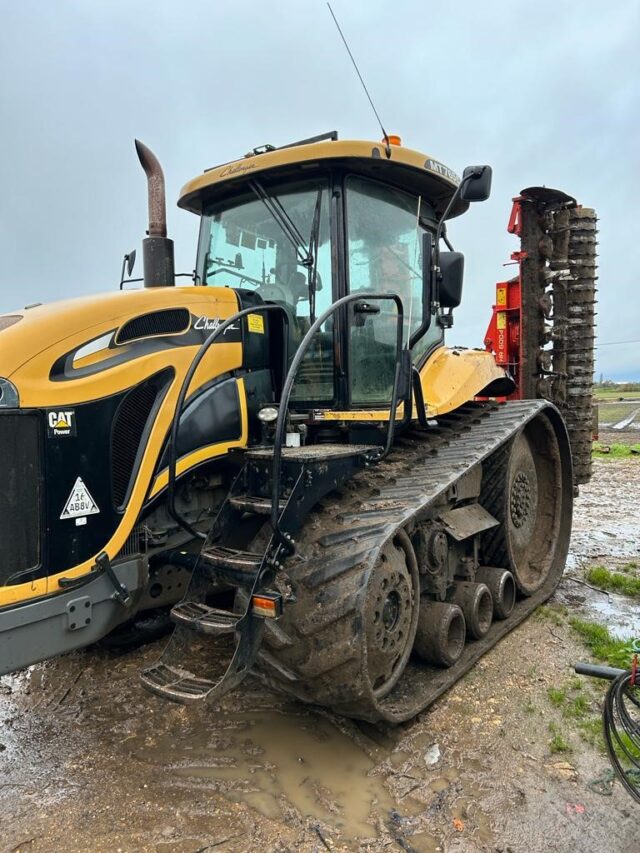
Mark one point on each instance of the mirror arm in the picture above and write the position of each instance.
(435, 267)
(447, 242)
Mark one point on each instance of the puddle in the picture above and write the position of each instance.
(605, 532)
(621, 615)
(270, 760)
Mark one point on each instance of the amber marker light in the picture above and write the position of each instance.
(269, 606)
(393, 139)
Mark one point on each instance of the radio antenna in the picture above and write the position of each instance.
(385, 135)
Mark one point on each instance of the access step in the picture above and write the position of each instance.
(204, 619)
(240, 566)
(176, 684)
(255, 504)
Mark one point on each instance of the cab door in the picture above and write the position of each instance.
(384, 240)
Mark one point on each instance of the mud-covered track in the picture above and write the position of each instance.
(318, 650)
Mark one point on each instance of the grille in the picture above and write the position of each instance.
(170, 322)
(20, 485)
(136, 542)
(128, 428)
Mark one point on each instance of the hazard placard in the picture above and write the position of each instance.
(80, 503)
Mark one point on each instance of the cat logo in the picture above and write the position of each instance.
(61, 423)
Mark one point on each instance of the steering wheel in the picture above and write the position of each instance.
(273, 293)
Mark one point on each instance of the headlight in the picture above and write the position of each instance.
(268, 415)
(9, 397)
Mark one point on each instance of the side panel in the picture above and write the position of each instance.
(37, 630)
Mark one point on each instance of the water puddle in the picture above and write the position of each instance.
(605, 532)
(273, 759)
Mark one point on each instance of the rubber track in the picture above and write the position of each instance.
(324, 662)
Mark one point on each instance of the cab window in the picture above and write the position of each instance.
(277, 243)
(385, 230)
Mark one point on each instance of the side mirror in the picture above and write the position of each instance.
(131, 261)
(476, 183)
(451, 277)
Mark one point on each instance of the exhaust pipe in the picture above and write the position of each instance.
(502, 587)
(157, 249)
(441, 632)
(474, 599)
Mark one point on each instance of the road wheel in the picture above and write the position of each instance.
(390, 614)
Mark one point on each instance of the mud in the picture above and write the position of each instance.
(89, 761)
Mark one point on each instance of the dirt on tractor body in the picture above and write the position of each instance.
(89, 761)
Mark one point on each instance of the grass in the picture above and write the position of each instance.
(622, 582)
(630, 746)
(616, 451)
(557, 695)
(612, 413)
(591, 732)
(558, 743)
(604, 646)
(631, 391)
(578, 708)
(551, 614)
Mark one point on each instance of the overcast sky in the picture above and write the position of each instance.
(546, 92)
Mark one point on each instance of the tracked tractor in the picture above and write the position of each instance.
(285, 452)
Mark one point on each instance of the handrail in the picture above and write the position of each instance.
(285, 539)
(175, 423)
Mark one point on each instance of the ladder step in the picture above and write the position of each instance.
(178, 685)
(255, 504)
(206, 620)
(241, 564)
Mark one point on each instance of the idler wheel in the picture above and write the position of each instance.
(441, 632)
(475, 601)
(524, 492)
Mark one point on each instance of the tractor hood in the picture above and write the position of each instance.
(53, 353)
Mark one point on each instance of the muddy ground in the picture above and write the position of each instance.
(90, 762)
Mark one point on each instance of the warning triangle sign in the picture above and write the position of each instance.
(80, 502)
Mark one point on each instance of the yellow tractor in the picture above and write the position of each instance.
(285, 451)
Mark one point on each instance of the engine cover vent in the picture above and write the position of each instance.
(134, 415)
(172, 321)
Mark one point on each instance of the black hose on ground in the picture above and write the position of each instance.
(621, 722)
(621, 719)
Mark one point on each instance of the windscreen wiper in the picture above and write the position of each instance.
(275, 208)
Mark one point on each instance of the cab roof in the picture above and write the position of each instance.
(404, 168)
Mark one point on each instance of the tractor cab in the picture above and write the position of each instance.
(309, 224)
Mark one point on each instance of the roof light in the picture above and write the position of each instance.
(393, 139)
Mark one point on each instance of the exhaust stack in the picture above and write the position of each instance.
(157, 249)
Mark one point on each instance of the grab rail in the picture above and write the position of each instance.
(175, 424)
(285, 397)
